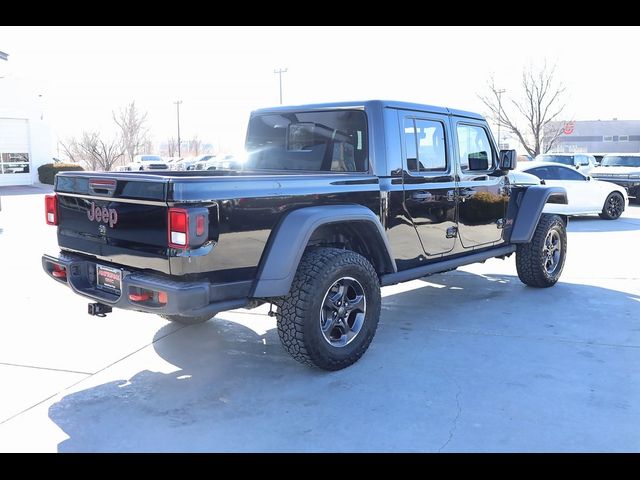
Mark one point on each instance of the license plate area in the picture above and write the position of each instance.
(109, 279)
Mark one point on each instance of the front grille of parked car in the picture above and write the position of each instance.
(157, 166)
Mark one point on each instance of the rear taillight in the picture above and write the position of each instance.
(178, 228)
(51, 209)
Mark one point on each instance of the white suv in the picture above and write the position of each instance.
(148, 162)
(582, 161)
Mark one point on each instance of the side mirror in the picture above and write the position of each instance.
(588, 178)
(508, 159)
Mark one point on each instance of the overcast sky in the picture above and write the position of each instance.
(222, 73)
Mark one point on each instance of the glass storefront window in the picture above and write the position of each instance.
(14, 163)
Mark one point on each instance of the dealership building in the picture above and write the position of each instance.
(598, 136)
(25, 136)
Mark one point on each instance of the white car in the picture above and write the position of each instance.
(584, 194)
(148, 162)
(583, 162)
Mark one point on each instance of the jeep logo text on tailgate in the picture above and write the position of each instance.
(102, 214)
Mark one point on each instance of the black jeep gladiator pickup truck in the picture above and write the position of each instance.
(332, 202)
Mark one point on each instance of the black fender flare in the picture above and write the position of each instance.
(289, 239)
(529, 209)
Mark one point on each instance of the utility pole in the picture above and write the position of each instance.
(178, 102)
(499, 92)
(280, 71)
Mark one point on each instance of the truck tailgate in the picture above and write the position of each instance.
(114, 218)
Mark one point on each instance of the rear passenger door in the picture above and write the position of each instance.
(482, 192)
(428, 179)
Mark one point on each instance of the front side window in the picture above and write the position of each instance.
(424, 145)
(320, 141)
(475, 148)
(543, 173)
(14, 163)
(556, 173)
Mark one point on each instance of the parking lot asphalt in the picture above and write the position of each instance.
(467, 361)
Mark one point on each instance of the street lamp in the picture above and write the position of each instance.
(280, 71)
(178, 102)
(499, 93)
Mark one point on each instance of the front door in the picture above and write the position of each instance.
(482, 193)
(429, 185)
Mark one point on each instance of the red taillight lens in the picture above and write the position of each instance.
(142, 295)
(178, 228)
(51, 209)
(200, 225)
(162, 298)
(59, 271)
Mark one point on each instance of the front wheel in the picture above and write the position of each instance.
(331, 313)
(613, 206)
(540, 262)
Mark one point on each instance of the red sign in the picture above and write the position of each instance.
(568, 128)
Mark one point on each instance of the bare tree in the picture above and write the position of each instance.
(172, 147)
(72, 150)
(530, 117)
(195, 146)
(133, 130)
(93, 151)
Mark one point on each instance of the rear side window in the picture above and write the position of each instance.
(424, 145)
(474, 147)
(325, 141)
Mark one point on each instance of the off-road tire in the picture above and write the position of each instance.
(187, 320)
(299, 314)
(532, 258)
(613, 206)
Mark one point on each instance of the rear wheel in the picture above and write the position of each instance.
(331, 313)
(613, 206)
(540, 262)
(187, 320)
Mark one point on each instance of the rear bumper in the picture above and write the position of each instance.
(182, 297)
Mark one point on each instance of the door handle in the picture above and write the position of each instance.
(422, 196)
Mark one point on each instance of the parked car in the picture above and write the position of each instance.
(186, 163)
(224, 162)
(148, 162)
(202, 162)
(585, 195)
(623, 170)
(581, 161)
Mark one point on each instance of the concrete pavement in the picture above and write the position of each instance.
(470, 360)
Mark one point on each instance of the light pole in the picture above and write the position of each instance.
(499, 93)
(178, 102)
(280, 71)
